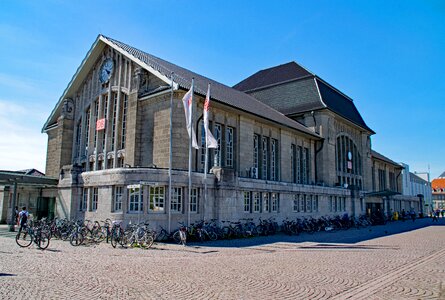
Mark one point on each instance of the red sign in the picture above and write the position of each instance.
(100, 124)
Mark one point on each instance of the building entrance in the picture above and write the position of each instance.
(45, 207)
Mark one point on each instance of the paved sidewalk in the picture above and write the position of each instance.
(403, 260)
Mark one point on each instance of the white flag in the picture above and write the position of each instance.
(187, 101)
(210, 140)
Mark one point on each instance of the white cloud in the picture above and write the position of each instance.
(22, 146)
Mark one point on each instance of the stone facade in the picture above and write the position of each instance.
(262, 168)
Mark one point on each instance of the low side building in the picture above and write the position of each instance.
(438, 190)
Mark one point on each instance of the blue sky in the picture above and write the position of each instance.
(389, 56)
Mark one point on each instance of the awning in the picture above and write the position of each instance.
(9, 178)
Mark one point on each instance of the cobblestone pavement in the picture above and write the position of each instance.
(372, 263)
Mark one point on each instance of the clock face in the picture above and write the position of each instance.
(106, 70)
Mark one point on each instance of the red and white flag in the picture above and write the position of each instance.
(187, 101)
(210, 140)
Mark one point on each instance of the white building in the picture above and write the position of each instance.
(417, 185)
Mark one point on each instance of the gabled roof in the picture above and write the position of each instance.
(273, 76)
(442, 175)
(183, 79)
(329, 97)
(438, 183)
(381, 157)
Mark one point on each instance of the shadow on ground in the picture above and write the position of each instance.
(326, 239)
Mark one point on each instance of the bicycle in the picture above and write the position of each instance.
(28, 234)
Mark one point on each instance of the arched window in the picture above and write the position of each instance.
(349, 162)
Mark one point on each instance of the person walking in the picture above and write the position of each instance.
(23, 217)
(435, 215)
(412, 213)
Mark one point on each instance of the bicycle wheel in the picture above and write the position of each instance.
(183, 237)
(148, 240)
(23, 239)
(212, 235)
(177, 237)
(76, 239)
(114, 239)
(43, 240)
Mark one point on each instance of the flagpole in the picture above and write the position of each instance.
(206, 167)
(190, 153)
(170, 158)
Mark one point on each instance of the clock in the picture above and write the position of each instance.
(106, 70)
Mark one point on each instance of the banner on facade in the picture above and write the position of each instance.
(100, 124)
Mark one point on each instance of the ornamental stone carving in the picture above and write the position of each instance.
(68, 109)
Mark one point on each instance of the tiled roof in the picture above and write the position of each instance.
(340, 104)
(272, 76)
(379, 156)
(330, 97)
(438, 183)
(219, 92)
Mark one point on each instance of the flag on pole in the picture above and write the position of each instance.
(210, 140)
(187, 101)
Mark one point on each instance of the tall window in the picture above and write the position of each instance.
(348, 161)
(309, 203)
(83, 203)
(95, 199)
(247, 202)
(382, 180)
(265, 157)
(105, 108)
(96, 116)
(256, 202)
(194, 204)
(87, 130)
(304, 171)
(218, 136)
(266, 202)
(274, 160)
(203, 146)
(117, 198)
(256, 153)
(303, 203)
(392, 181)
(78, 137)
(298, 164)
(113, 122)
(315, 203)
(157, 198)
(124, 120)
(296, 203)
(135, 203)
(229, 146)
(176, 200)
(275, 202)
(293, 169)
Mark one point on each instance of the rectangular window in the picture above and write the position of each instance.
(315, 203)
(331, 204)
(135, 204)
(124, 120)
(96, 117)
(194, 200)
(95, 199)
(256, 202)
(275, 202)
(265, 158)
(256, 153)
(218, 137)
(105, 108)
(247, 202)
(296, 206)
(303, 203)
(298, 164)
(266, 202)
(117, 198)
(203, 146)
(309, 203)
(78, 138)
(83, 203)
(293, 169)
(304, 171)
(229, 146)
(87, 130)
(274, 160)
(176, 200)
(157, 198)
(335, 204)
(113, 122)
